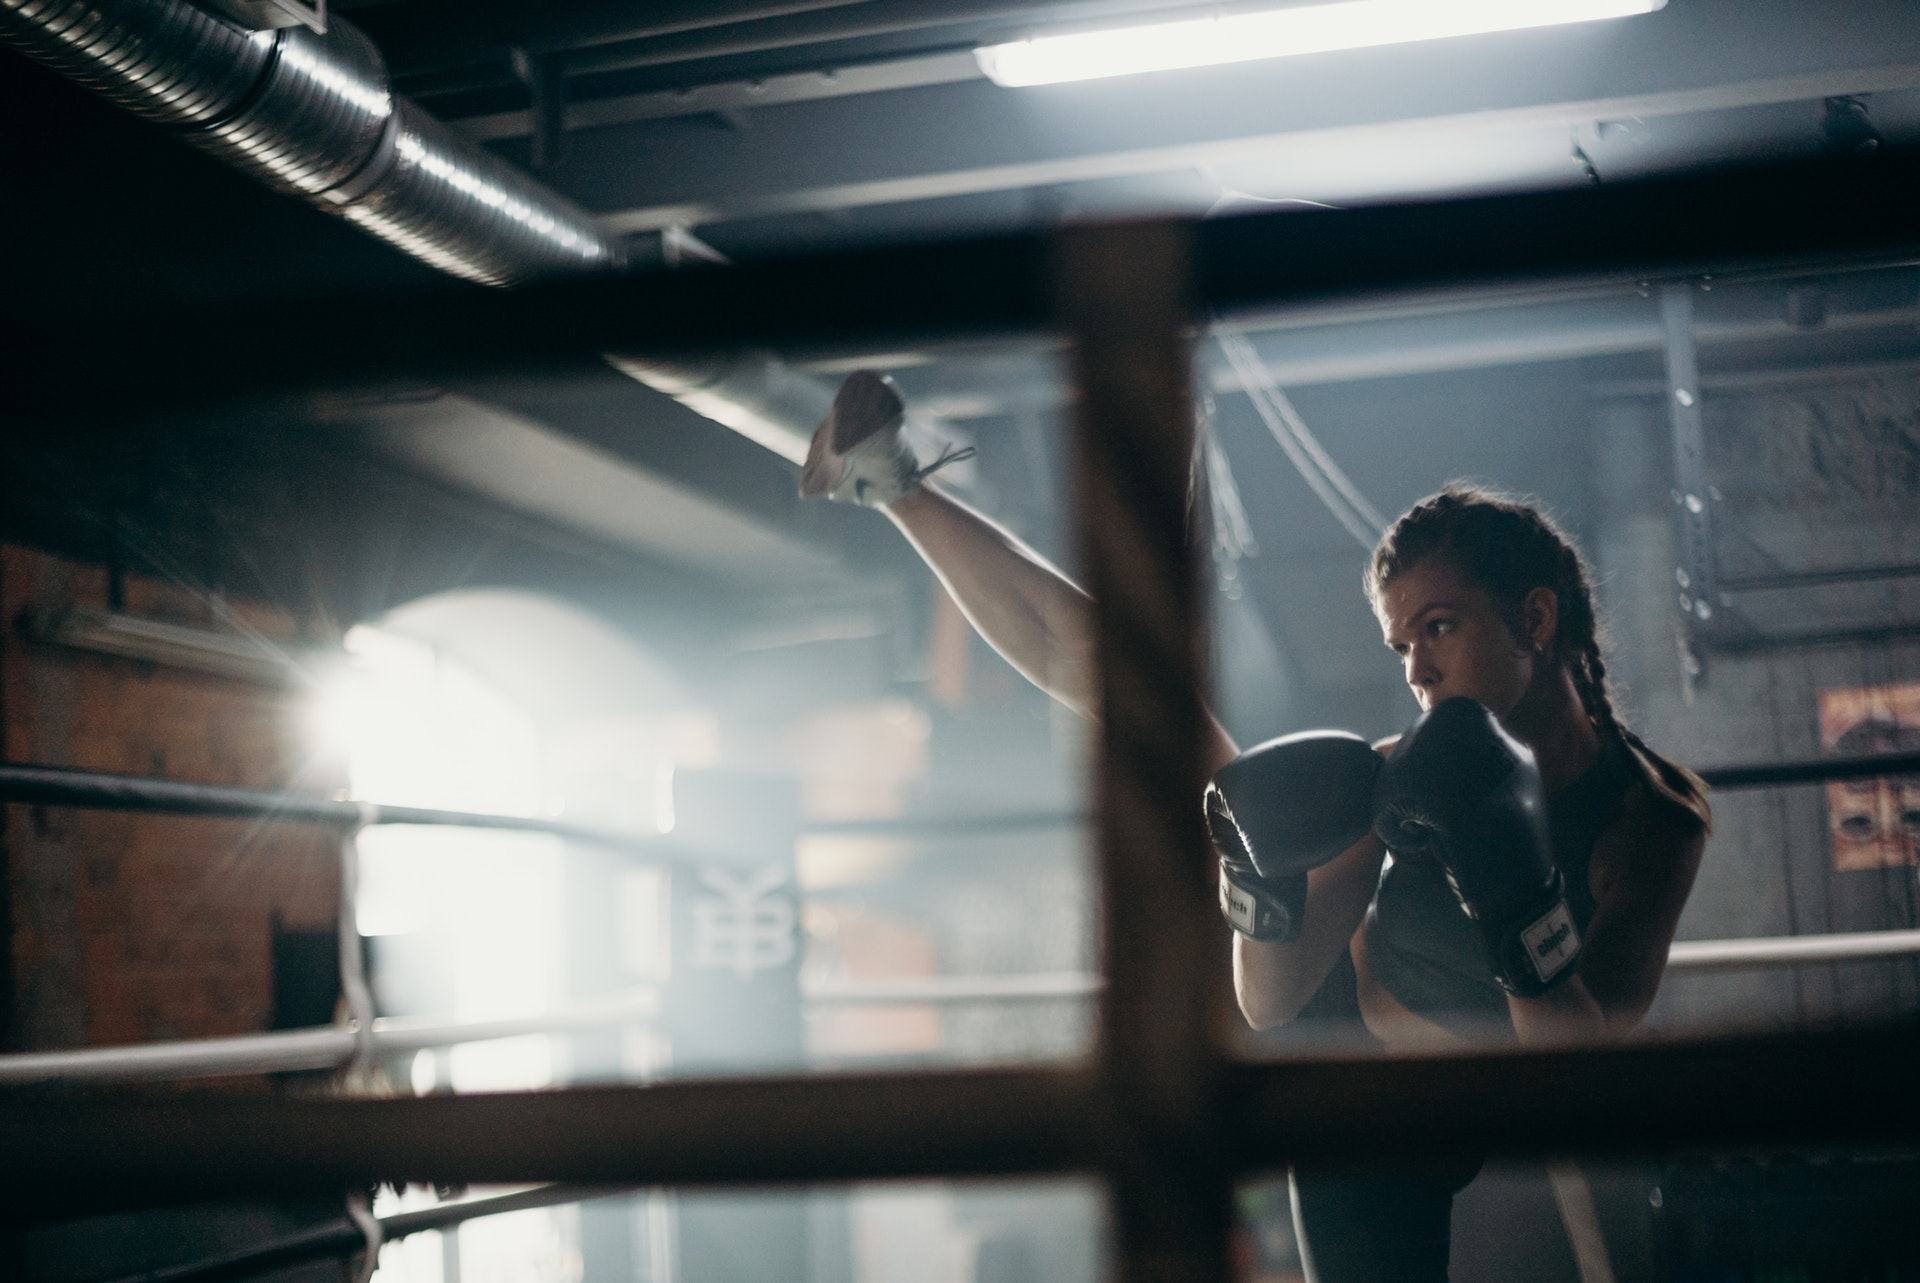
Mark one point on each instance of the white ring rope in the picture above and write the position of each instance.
(1846, 946)
(331, 1046)
(327, 1047)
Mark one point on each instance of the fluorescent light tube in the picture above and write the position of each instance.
(1276, 33)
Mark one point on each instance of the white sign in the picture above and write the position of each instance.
(743, 928)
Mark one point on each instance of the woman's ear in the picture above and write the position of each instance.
(1540, 614)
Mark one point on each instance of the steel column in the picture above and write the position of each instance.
(1696, 588)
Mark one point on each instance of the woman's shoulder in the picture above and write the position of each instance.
(1664, 794)
(1658, 835)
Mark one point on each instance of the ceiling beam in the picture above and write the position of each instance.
(972, 137)
(429, 35)
(529, 467)
(738, 95)
(861, 22)
(1301, 356)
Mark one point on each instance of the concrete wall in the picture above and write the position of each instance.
(1810, 477)
(126, 928)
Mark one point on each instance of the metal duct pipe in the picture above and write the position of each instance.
(754, 393)
(313, 115)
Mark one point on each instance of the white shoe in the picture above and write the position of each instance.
(858, 454)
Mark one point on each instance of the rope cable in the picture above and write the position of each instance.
(1316, 467)
(1249, 360)
(366, 1261)
(1232, 529)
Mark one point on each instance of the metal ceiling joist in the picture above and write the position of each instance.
(1478, 338)
(739, 95)
(966, 138)
(1809, 214)
(425, 36)
(864, 21)
(508, 457)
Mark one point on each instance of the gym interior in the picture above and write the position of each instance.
(468, 819)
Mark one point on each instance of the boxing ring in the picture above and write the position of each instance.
(1161, 1113)
(335, 1046)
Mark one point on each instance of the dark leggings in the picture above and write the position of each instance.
(1360, 1225)
(1392, 1226)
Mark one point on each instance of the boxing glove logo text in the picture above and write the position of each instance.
(1239, 907)
(1551, 942)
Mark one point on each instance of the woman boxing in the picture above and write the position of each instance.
(1486, 604)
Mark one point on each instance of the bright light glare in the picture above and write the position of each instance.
(1246, 37)
(422, 730)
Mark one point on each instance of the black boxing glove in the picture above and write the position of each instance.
(1277, 812)
(1461, 789)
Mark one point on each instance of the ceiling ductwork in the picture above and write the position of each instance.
(312, 114)
(754, 393)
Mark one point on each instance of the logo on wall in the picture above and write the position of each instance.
(1874, 823)
(743, 927)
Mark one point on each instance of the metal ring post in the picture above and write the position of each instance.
(353, 958)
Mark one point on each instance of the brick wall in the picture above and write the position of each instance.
(127, 928)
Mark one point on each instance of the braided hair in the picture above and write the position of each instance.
(1509, 547)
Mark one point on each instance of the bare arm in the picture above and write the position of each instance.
(1643, 867)
(1040, 621)
(1274, 981)
(1037, 618)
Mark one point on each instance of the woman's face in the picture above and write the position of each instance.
(1451, 639)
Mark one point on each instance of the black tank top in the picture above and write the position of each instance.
(1424, 948)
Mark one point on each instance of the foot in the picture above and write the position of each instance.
(858, 454)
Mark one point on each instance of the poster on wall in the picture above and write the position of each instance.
(1874, 823)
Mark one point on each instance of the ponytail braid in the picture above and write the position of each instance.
(1590, 679)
